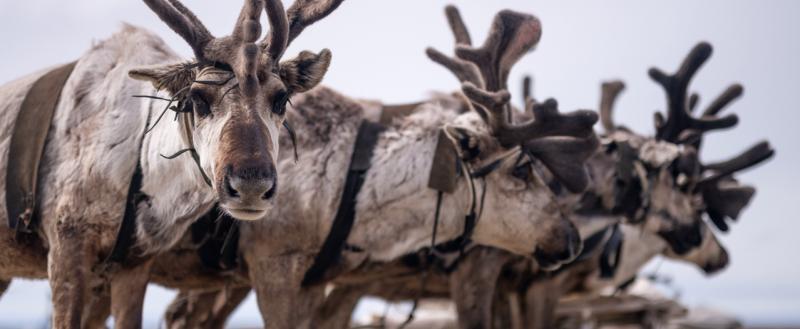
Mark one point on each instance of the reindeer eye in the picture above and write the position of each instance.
(279, 103)
(200, 104)
(521, 172)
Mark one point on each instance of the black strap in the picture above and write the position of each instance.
(27, 145)
(331, 250)
(610, 256)
(126, 235)
(217, 238)
(593, 242)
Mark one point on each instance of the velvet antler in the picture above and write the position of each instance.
(527, 89)
(726, 200)
(564, 157)
(679, 118)
(463, 70)
(609, 92)
(724, 197)
(512, 35)
(547, 120)
(238, 50)
(562, 142)
(752, 156)
(287, 26)
(184, 23)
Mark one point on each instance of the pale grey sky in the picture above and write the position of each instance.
(378, 48)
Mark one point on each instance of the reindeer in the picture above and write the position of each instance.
(394, 208)
(667, 215)
(656, 185)
(230, 102)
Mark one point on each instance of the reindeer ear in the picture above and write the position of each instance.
(171, 77)
(305, 71)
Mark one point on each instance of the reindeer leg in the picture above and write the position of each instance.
(204, 309)
(338, 307)
(128, 286)
(472, 286)
(176, 315)
(190, 308)
(541, 300)
(227, 302)
(282, 301)
(98, 310)
(69, 270)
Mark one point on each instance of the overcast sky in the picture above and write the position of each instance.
(378, 48)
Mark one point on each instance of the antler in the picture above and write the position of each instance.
(547, 120)
(303, 13)
(752, 156)
(609, 92)
(675, 86)
(726, 200)
(463, 70)
(287, 26)
(184, 23)
(512, 35)
(238, 50)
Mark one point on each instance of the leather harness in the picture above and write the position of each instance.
(444, 173)
(27, 145)
(26, 148)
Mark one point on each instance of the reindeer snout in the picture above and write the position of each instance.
(250, 185)
(718, 263)
(563, 245)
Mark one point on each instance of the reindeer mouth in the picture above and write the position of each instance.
(246, 213)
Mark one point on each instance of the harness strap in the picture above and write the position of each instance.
(216, 236)
(331, 250)
(126, 235)
(610, 256)
(27, 145)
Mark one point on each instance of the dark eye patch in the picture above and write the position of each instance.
(200, 104)
(279, 102)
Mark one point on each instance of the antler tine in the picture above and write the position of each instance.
(189, 15)
(695, 137)
(675, 86)
(609, 91)
(245, 34)
(752, 156)
(277, 39)
(184, 23)
(460, 31)
(729, 95)
(493, 105)
(527, 88)
(463, 70)
(693, 100)
(303, 13)
(512, 35)
(547, 120)
(248, 28)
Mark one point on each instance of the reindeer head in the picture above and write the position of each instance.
(710, 256)
(233, 96)
(521, 212)
(661, 183)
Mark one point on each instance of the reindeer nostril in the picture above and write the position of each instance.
(270, 190)
(231, 191)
